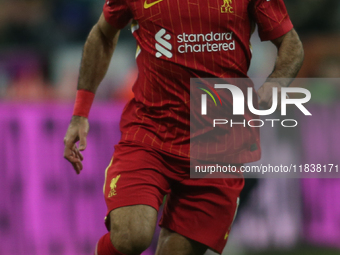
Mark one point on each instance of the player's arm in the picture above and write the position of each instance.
(288, 64)
(96, 58)
(289, 59)
(97, 54)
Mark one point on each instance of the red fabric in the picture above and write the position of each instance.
(82, 106)
(117, 13)
(105, 247)
(200, 209)
(159, 114)
(272, 19)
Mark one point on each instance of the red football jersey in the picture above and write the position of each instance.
(178, 40)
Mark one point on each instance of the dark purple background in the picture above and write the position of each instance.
(321, 197)
(45, 208)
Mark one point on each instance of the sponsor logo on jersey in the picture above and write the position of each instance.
(226, 7)
(210, 42)
(162, 45)
(113, 186)
(193, 43)
(148, 5)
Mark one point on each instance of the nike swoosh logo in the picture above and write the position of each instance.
(146, 5)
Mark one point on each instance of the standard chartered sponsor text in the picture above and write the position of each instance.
(210, 42)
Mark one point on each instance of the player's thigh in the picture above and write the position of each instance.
(134, 189)
(203, 210)
(172, 243)
(132, 227)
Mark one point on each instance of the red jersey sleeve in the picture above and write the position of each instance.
(117, 13)
(272, 18)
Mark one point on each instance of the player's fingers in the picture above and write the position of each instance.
(77, 153)
(74, 157)
(80, 155)
(69, 146)
(76, 163)
(82, 140)
(70, 155)
(77, 167)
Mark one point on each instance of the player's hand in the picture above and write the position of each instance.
(265, 94)
(77, 131)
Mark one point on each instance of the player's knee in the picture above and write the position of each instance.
(131, 241)
(132, 228)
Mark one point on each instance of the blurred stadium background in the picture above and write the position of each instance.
(46, 209)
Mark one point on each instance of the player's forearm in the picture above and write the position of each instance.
(289, 60)
(96, 58)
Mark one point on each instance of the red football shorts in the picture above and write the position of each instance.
(200, 209)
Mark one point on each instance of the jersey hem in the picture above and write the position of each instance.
(231, 159)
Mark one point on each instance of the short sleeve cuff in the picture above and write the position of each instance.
(281, 29)
(116, 13)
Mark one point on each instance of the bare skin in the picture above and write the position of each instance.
(171, 243)
(132, 227)
(97, 55)
(288, 64)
